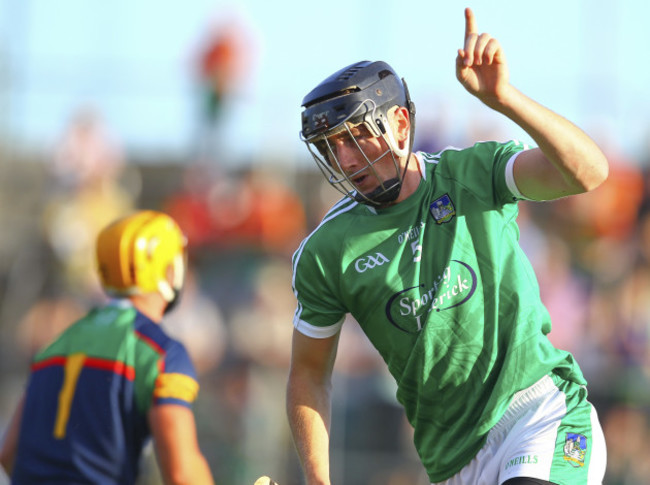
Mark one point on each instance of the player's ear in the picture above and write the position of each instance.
(401, 124)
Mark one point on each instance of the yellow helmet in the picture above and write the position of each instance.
(135, 252)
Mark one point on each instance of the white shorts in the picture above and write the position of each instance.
(550, 432)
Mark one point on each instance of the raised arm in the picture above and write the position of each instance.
(309, 403)
(567, 161)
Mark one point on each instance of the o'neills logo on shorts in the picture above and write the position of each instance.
(409, 309)
(522, 460)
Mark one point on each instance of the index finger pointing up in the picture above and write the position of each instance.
(470, 23)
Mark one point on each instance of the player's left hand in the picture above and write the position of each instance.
(481, 64)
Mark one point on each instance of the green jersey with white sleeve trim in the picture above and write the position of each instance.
(441, 287)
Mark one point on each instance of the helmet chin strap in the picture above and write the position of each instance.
(165, 289)
(171, 304)
(171, 294)
(387, 192)
(380, 195)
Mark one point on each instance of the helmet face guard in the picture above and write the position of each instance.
(322, 149)
(364, 93)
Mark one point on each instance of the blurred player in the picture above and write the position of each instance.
(114, 379)
(423, 251)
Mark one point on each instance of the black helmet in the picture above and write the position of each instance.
(337, 99)
(363, 92)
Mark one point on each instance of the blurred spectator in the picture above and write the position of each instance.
(86, 195)
(86, 152)
(190, 205)
(633, 328)
(222, 65)
(45, 321)
(611, 211)
(565, 295)
(628, 438)
(279, 213)
(564, 292)
(224, 62)
(600, 224)
(253, 209)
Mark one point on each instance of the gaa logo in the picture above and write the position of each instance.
(370, 262)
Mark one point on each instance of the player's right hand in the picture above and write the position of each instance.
(481, 65)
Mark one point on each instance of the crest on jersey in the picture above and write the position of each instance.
(442, 209)
(575, 449)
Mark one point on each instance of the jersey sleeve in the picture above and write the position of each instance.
(488, 161)
(506, 154)
(176, 383)
(165, 373)
(319, 312)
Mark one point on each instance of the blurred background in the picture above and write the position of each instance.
(193, 107)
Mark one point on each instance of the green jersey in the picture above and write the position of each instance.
(442, 289)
